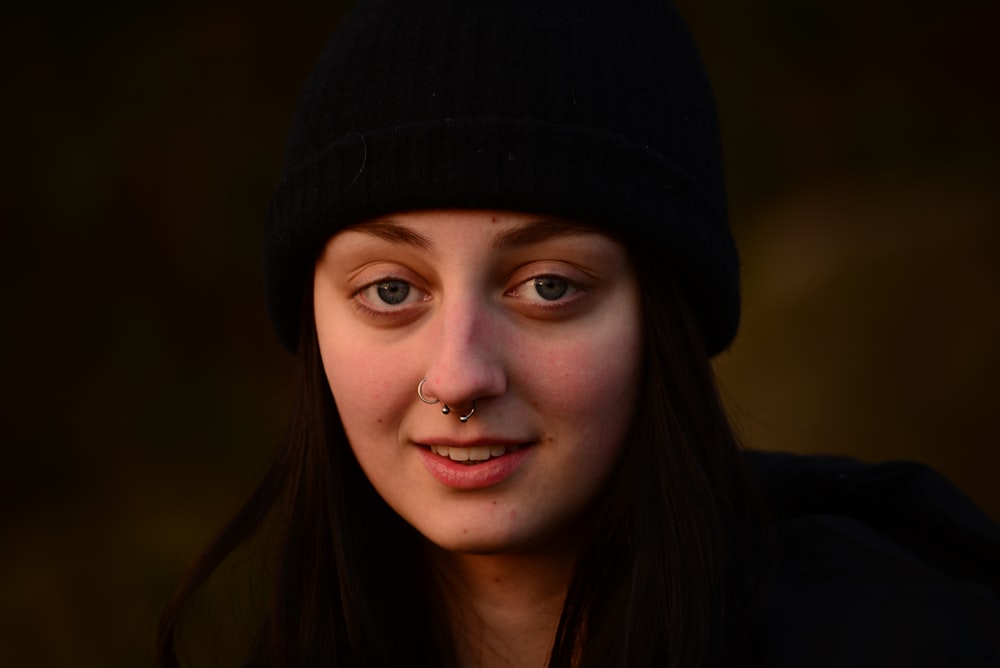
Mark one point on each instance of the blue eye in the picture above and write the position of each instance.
(547, 290)
(388, 293)
(392, 292)
(550, 288)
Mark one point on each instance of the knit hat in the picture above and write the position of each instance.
(593, 110)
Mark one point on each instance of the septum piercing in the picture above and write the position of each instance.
(445, 409)
(461, 418)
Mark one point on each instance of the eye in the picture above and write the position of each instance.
(545, 289)
(392, 292)
(550, 288)
(389, 292)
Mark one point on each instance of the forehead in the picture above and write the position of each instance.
(500, 230)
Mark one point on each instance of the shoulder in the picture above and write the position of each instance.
(876, 564)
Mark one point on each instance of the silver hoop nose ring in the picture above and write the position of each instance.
(445, 408)
(420, 393)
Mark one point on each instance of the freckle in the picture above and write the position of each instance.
(494, 503)
(493, 219)
(465, 531)
(497, 580)
(551, 438)
(513, 514)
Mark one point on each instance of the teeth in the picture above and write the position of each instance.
(478, 453)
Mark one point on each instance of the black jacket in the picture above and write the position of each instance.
(876, 565)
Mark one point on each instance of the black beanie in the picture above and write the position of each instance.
(593, 110)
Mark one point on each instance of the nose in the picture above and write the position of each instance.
(466, 355)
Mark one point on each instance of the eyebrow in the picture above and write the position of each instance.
(538, 231)
(393, 232)
(524, 235)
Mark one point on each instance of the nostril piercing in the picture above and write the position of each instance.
(420, 393)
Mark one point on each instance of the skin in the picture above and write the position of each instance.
(551, 367)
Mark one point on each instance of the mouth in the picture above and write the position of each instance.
(475, 463)
(475, 454)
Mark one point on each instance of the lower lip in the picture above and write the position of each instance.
(476, 476)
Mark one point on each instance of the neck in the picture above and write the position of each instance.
(503, 609)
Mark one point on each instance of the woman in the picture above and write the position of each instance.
(500, 250)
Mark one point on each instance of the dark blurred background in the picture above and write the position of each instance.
(144, 390)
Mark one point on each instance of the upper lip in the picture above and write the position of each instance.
(470, 443)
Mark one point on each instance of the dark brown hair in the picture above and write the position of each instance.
(666, 578)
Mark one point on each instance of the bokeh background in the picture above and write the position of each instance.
(143, 389)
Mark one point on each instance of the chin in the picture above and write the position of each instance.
(498, 541)
(475, 543)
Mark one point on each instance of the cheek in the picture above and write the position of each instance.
(363, 397)
(590, 383)
(364, 382)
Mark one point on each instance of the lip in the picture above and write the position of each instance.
(477, 476)
(470, 443)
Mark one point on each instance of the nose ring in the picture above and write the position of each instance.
(445, 409)
(461, 418)
(420, 393)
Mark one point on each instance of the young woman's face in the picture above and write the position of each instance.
(533, 322)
